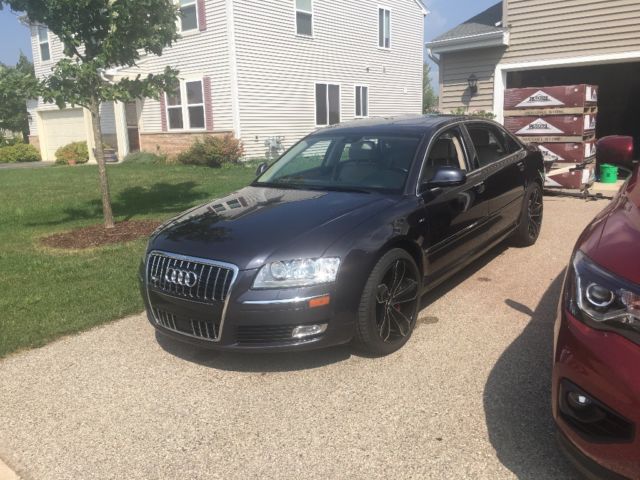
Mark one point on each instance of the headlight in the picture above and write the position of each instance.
(297, 273)
(597, 295)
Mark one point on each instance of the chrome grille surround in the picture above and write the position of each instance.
(156, 265)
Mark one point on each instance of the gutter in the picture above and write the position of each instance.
(499, 38)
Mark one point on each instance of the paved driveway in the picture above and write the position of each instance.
(467, 398)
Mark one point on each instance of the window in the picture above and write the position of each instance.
(362, 101)
(188, 15)
(43, 40)
(446, 151)
(384, 28)
(488, 142)
(304, 17)
(185, 107)
(327, 104)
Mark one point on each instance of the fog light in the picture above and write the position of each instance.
(305, 331)
(577, 400)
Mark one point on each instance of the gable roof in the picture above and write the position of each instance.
(483, 30)
(489, 21)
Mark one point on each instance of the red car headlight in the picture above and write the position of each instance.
(601, 299)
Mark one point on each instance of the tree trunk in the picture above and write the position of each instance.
(94, 108)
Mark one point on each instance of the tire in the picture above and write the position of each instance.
(531, 217)
(389, 305)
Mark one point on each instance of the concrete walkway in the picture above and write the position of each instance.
(467, 398)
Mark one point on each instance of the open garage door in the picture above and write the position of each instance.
(619, 95)
(62, 127)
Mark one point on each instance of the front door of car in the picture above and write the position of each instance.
(502, 160)
(451, 219)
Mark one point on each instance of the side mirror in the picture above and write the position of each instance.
(445, 177)
(262, 168)
(617, 150)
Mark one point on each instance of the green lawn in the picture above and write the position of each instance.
(45, 294)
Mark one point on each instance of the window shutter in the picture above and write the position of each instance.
(202, 16)
(208, 107)
(163, 112)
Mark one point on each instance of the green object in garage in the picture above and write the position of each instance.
(608, 173)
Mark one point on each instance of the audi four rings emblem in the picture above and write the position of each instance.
(183, 278)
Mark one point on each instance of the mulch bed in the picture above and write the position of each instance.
(98, 236)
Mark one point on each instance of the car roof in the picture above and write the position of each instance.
(406, 125)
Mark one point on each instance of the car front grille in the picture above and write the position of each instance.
(183, 277)
(204, 329)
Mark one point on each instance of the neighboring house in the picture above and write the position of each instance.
(267, 72)
(536, 43)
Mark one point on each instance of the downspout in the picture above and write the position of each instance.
(233, 65)
(432, 57)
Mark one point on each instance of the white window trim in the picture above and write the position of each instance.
(315, 103)
(40, 43)
(355, 97)
(184, 105)
(193, 30)
(388, 9)
(295, 19)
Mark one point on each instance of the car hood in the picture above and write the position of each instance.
(617, 244)
(257, 224)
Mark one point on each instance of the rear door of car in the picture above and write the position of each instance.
(502, 160)
(453, 220)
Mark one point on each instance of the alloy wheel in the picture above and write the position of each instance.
(535, 213)
(396, 302)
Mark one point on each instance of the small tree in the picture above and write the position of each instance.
(15, 83)
(429, 98)
(99, 35)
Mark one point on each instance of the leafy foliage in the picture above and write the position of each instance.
(477, 113)
(72, 154)
(430, 100)
(15, 85)
(19, 152)
(213, 152)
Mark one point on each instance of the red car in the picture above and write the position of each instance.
(596, 374)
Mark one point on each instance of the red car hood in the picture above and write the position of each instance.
(613, 240)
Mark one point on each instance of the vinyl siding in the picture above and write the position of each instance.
(277, 69)
(456, 69)
(547, 29)
(195, 55)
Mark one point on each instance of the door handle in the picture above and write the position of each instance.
(480, 187)
(520, 166)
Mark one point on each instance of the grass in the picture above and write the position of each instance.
(48, 293)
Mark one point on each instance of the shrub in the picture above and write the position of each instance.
(213, 152)
(20, 152)
(73, 153)
(145, 158)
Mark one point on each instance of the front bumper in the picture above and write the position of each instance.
(605, 365)
(261, 320)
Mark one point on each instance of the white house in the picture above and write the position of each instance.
(268, 71)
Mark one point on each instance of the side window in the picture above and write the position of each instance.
(43, 41)
(188, 15)
(304, 17)
(327, 104)
(384, 28)
(489, 143)
(512, 145)
(446, 151)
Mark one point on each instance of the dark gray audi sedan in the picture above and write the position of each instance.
(338, 239)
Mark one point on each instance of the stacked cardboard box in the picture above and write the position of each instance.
(562, 121)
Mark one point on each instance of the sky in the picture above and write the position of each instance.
(445, 14)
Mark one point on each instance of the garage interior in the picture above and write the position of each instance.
(618, 97)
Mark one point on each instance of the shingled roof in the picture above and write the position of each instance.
(489, 21)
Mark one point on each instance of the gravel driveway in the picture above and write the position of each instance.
(468, 397)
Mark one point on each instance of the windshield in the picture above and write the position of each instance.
(361, 163)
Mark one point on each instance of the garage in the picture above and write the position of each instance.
(61, 127)
(618, 96)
